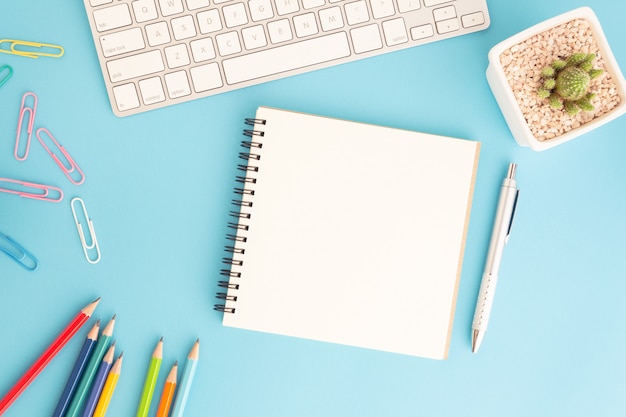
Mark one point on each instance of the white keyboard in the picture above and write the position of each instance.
(155, 53)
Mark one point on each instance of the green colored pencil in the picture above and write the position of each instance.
(82, 392)
(151, 380)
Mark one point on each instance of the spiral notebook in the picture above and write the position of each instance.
(348, 233)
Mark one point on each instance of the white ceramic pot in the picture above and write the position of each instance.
(508, 103)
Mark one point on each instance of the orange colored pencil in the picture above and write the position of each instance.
(168, 393)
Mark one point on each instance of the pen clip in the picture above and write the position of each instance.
(19, 254)
(508, 232)
(29, 129)
(93, 245)
(30, 49)
(68, 169)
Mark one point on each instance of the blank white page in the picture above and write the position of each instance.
(356, 234)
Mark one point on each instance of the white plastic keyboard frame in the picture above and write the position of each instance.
(421, 28)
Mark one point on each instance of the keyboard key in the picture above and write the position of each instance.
(446, 26)
(284, 7)
(99, 2)
(177, 84)
(284, 58)
(444, 13)
(430, 3)
(171, 7)
(382, 8)
(356, 12)
(177, 56)
(112, 17)
(209, 21)
(158, 34)
(310, 4)
(206, 77)
(197, 4)
(280, 31)
(183, 27)
(260, 10)
(202, 49)
(422, 32)
(235, 15)
(122, 42)
(408, 5)
(305, 25)
(126, 97)
(395, 32)
(145, 10)
(135, 66)
(254, 37)
(151, 91)
(366, 38)
(473, 19)
(331, 18)
(228, 43)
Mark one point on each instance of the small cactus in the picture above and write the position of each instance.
(566, 83)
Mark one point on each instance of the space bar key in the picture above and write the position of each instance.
(285, 58)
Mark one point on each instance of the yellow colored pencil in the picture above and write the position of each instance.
(109, 387)
(168, 393)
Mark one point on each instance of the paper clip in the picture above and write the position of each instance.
(29, 130)
(31, 49)
(68, 169)
(9, 73)
(18, 253)
(32, 190)
(93, 245)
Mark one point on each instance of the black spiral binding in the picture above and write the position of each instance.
(243, 202)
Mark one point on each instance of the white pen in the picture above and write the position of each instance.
(499, 237)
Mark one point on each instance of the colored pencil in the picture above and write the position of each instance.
(80, 396)
(98, 382)
(77, 371)
(185, 383)
(109, 388)
(45, 358)
(168, 393)
(151, 379)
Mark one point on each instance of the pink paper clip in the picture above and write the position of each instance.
(68, 169)
(32, 190)
(31, 120)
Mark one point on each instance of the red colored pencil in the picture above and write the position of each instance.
(45, 358)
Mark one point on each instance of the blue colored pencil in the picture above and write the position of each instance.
(185, 383)
(77, 371)
(98, 382)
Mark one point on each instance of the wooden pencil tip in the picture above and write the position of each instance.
(89, 309)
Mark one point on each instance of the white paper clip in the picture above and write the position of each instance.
(88, 248)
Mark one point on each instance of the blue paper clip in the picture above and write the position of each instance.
(9, 73)
(69, 166)
(18, 253)
(93, 245)
(24, 109)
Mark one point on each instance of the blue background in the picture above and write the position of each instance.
(159, 186)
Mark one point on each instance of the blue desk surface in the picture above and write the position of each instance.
(159, 186)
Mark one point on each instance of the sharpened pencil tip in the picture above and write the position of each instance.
(89, 309)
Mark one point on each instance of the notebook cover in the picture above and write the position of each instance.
(355, 235)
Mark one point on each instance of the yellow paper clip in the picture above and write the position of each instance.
(31, 49)
(93, 245)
